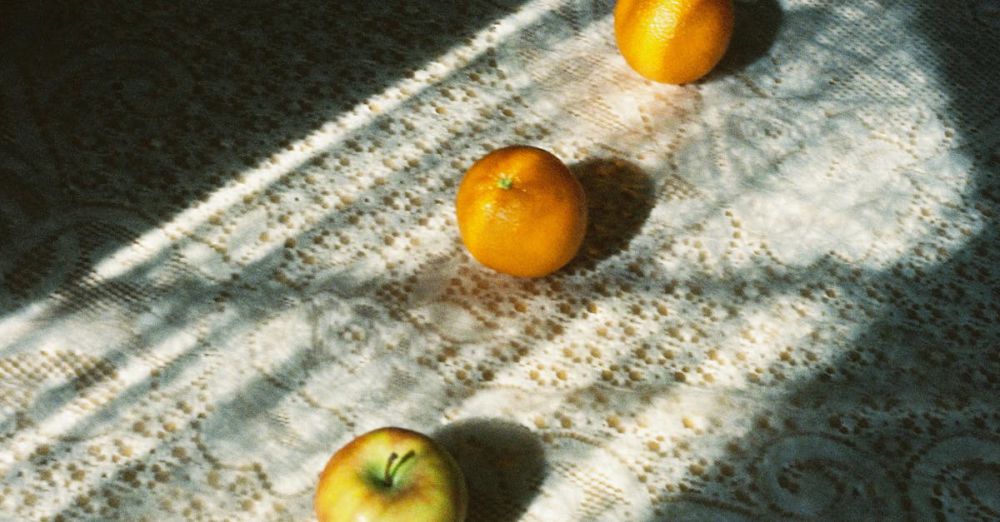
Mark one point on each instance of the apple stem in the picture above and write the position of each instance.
(390, 472)
(388, 467)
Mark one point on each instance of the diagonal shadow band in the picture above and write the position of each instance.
(156, 107)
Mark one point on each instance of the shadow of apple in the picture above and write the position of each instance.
(503, 463)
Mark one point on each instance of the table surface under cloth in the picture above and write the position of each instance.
(228, 246)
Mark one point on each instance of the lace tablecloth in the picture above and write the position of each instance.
(229, 246)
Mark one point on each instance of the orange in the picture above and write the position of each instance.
(673, 41)
(521, 211)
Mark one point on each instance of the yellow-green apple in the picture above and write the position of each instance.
(391, 474)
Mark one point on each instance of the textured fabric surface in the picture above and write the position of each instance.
(229, 247)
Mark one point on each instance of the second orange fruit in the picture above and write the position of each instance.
(521, 211)
(673, 41)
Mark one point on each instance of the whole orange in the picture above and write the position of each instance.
(521, 211)
(673, 41)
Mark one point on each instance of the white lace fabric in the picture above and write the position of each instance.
(229, 247)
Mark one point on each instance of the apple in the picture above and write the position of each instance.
(391, 474)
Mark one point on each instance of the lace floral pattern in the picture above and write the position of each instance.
(229, 247)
